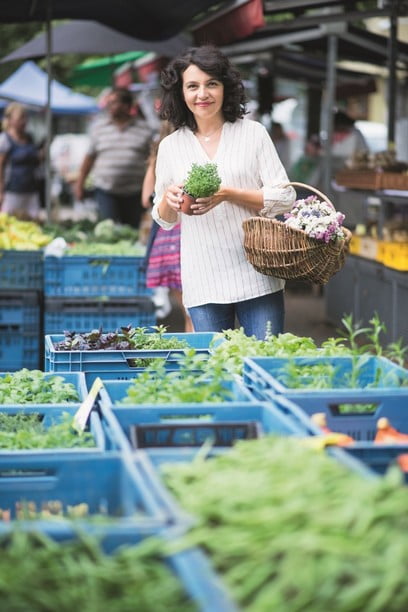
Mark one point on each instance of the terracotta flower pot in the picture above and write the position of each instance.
(188, 200)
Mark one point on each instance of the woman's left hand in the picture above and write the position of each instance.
(204, 205)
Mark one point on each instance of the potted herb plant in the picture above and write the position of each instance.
(202, 181)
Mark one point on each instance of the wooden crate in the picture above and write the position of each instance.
(359, 179)
(394, 180)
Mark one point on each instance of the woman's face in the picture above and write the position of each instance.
(203, 94)
(18, 119)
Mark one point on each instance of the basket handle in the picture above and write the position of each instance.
(316, 191)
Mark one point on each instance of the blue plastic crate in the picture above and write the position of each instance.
(85, 315)
(20, 309)
(114, 391)
(74, 378)
(51, 415)
(92, 276)
(118, 423)
(379, 457)
(118, 365)
(224, 425)
(267, 376)
(21, 270)
(110, 485)
(19, 349)
(190, 566)
(177, 426)
(361, 426)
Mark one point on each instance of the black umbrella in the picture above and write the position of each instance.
(146, 19)
(93, 38)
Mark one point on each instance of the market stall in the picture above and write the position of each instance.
(375, 276)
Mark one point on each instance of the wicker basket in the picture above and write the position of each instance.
(275, 249)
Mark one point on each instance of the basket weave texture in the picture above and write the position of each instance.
(275, 249)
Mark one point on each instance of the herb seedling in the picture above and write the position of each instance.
(33, 386)
(195, 381)
(202, 181)
(26, 431)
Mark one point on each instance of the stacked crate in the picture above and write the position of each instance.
(21, 281)
(82, 293)
(100, 498)
(361, 392)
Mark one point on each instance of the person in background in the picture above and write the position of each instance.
(163, 248)
(347, 139)
(307, 169)
(20, 159)
(281, 142)
(204, 99)
(119, 147)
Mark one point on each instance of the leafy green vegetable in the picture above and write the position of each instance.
(33, 386)
(300, 531)
(232, 346)
(126, 338)
(194, 382)
(26, 431)
(108, 231)
(85, 231)
(321, 375)
(122, 247)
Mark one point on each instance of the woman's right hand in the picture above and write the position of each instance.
(174, 197)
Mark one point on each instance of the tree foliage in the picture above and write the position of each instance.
(15, 35)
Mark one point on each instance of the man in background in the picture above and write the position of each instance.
(119, 147)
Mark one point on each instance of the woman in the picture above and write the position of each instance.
(163, 249)
(19, 162)
(204, 100)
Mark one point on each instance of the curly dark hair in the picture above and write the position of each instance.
(210, 60)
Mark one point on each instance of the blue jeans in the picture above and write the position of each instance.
(253, 315)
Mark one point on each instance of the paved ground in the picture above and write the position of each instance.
(305, 313)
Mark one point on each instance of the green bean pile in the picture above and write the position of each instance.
(40, 575)
(291, 529)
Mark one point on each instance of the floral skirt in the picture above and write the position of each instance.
(163, 268)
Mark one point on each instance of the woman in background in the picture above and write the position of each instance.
(163, 249)
(19, 162)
